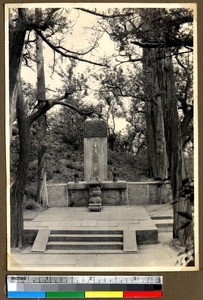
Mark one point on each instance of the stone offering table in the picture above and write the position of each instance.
(113, 193)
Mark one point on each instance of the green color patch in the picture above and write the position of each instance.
(65, 295)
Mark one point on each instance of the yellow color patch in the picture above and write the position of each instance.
(104, 294)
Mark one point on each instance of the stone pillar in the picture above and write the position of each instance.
(95, 149)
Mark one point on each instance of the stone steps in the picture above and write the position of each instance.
(84, 245)
(105, 240)
(85, 240)
(86, 237)
(92, 241)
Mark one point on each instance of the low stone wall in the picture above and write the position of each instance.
(113, 193)
(57, 195)
(153, 192)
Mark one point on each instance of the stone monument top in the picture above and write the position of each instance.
(95, 127)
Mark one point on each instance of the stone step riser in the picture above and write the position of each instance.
(164, 225)
(83, 246)
(87, 231)
(86, 251)
(85, 239)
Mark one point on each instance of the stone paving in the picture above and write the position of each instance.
(151, 257)
(133, 217)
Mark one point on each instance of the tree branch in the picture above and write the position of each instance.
(148, 44)
(73, 107)
(129, 60)
(114, 88)
(77, 53)
(49, 103)
(173, 54)
(103, 15)
(168, 43)
(55, 48)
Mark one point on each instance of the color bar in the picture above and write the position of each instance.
(104, 294)
(142, 294)
(87, 294)
(26, 295)
(65, 295)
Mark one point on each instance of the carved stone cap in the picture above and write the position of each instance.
(95, 128)
(94, 182)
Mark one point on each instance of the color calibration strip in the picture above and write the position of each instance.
(84, 287)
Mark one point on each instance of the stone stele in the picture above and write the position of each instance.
(95, 149)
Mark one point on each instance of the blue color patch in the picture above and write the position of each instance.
(26, 295)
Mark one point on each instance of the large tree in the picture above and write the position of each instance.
(163, 114)
(45, 26)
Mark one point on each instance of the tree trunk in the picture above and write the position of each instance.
(18, 187)
(163, 128)
(163, 124)
(155, 133)
(16, 42)
(42, 195)
(156, 144)
(172, 131)
(12, 106)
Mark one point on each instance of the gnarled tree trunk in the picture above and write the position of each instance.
(16, 42)
(164, 141)
(172, 132)
(156, 141)
(18, 187)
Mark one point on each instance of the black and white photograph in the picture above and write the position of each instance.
(101, 137)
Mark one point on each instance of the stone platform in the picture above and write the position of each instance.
(151, 257)
(67, 223)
